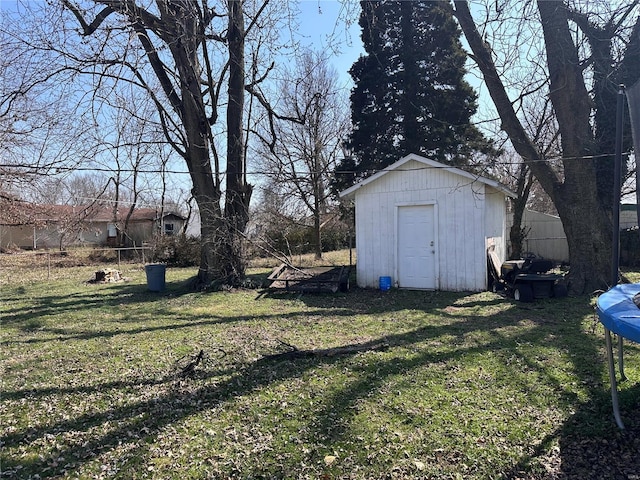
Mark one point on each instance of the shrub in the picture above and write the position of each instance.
(290, 238)
(176, 251)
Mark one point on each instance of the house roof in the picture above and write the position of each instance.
(34, 214)
(15, 212)
(351, 191)
(105, 214)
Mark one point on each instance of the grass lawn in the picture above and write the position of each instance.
(470, 386)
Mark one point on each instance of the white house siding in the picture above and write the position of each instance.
(463, 262)
(20, 236)
(460, 220)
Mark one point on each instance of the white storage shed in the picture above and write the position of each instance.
(427, 226)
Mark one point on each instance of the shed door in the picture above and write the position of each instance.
(416, 256)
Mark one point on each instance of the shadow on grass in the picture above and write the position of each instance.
(124, 299)
(94, 296)
(108, 430)
(365, 300)
(589, 445)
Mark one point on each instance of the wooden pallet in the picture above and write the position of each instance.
(313, 279)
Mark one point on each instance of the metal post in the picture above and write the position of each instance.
(612, 376)
(623, 377)
(615, 255)
(617, 183)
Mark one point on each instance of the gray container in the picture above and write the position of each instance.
(155, 276)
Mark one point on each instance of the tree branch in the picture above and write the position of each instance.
(159, 69)
(88, 29)
(510, 122)
(255, 19)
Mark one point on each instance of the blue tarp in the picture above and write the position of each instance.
(618, 313)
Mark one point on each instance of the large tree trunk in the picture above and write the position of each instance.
(238, 192)
(317, 228)
(587, 227)
(222, 259)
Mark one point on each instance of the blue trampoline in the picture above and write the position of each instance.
(619, 314)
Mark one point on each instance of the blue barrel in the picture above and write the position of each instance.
(155, 276)
(385, 283)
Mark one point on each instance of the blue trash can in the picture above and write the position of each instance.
(155, 276)
(385, 283)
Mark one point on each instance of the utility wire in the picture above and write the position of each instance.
(39, 170)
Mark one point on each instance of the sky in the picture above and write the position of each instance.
(322, 24)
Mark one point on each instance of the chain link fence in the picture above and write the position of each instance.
(45, 265)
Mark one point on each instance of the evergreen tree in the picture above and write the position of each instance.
(410, 95)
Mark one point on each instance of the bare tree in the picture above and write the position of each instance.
(539, 123)
(39, 133)
(189, 57)
(131, 150)
(306, 151)
(517, 176)
(71, 223)
(574, 186)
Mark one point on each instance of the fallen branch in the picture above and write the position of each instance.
(294, 353)
(190, 368)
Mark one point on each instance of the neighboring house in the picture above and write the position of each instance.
(428, 226)
(53, 226)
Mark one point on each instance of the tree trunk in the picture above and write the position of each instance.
(317, 229)
(318, 191)
(211, 270)
(238, 192)
(222, 260)
(517, 234)
(586, 225)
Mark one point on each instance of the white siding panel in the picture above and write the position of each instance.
(628, 216)
(450, 229)
(374, 238)
(546, 237)
(495, 227)
(461, 238)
